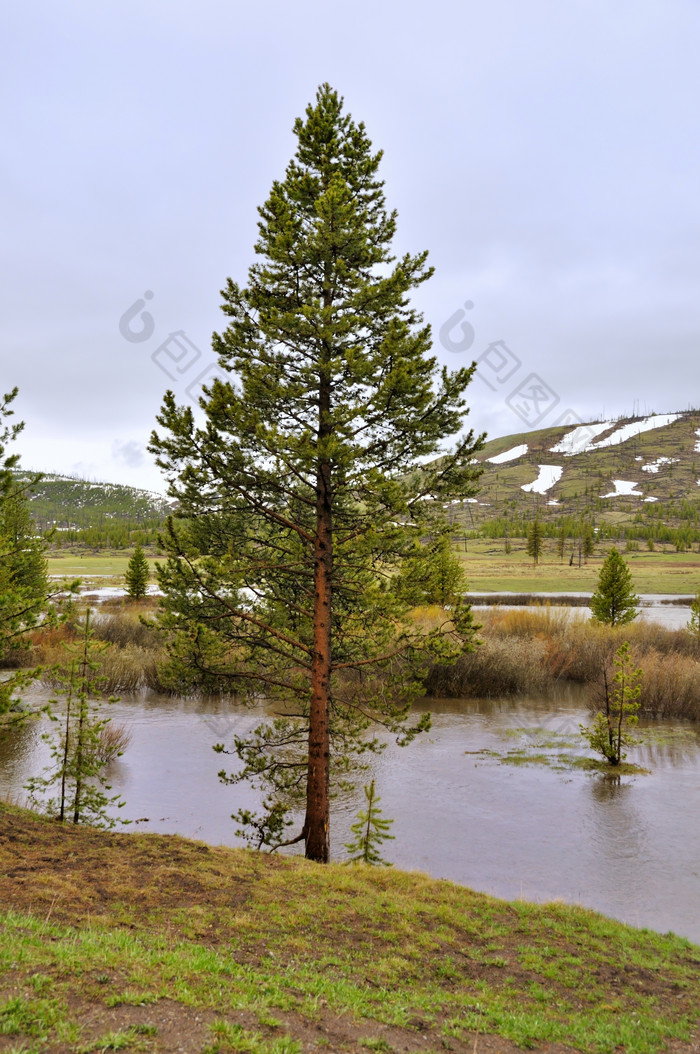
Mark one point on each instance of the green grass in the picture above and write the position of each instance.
(487, 566)
(490, 569)
(117, 941)
(106, 569)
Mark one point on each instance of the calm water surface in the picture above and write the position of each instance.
(627, 846)
(669, 610)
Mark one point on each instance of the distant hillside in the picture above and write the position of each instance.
(635, 477)
(96, 514)
(640, 470)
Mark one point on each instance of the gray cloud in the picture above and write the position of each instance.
(130, 454)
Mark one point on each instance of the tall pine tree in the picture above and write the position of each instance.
(535, 539)
(317, 466)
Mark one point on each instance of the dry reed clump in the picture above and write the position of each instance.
(670, 684)
(428, 617)
(573, 625)
(118, 670)
(114, 739)
(528, 622)
(499, 666)
(128, 660)
(530, 650)
(125, 628)
(43, 646)
(128, 669)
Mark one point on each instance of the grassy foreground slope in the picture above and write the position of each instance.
(154, 943)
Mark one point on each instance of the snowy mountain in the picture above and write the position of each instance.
(613, 469)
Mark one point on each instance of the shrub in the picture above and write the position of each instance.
(112, 742)
(671, 685)
(499, 666)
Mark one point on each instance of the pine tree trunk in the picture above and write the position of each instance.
(316, 825)
(317, 822)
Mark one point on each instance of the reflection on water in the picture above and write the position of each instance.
(628, 845)
(16, 752)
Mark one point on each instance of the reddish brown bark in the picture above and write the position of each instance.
(317, 823)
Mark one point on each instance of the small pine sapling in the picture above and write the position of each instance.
(370, 831)
(610, 729)
(693, 626)
(79, 764)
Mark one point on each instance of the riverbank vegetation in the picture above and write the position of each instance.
(532, 650)
(522, 652)
(155, 943)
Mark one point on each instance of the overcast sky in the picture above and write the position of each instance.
(545, 153)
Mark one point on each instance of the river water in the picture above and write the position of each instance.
(626, 846)
(669, 610)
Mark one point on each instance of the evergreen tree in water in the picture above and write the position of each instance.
(610, 729)
(299, 495)
(77, 776)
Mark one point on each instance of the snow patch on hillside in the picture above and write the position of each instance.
(654, 466)
(636, 428)
(697, 444)
(623, 487)
(509, 455)
(580, 439)
(549, 475)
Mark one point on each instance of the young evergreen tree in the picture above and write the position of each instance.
(317, 466)
(370, 830)
(693, 626)
(137, 574)
(23, 577)
(535, 539)
(614, 601)
(78, 773)
(610, 730)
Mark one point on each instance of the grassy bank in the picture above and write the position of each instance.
(154, 943)
(486, 564)
(489, 568)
